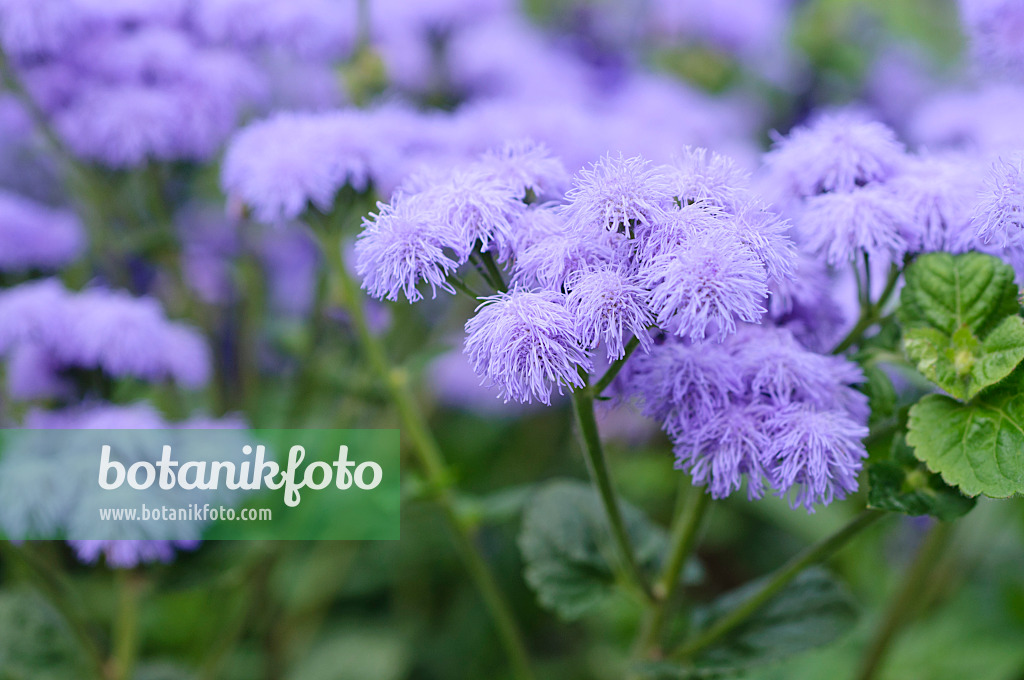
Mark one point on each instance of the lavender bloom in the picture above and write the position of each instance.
(835, 153)
(757, 407)
(549, 259)
(525, 344)
(34, 27)
(315, 29)
(999, 215)
(473, 208)
(608, 306)
(997, 32)
(986, 118)
(727, 449)
(616, 194)
(816, 455)
(127, 554)
(805, 305)
(525, 166)
(33, 236)
(32, 373)
(109, 330)
(940, 193)
(708, 178)
(706, 287)
(839, 226)
(402, 246)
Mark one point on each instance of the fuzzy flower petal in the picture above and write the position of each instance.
(618, 193)
(840, 226)
(401, 246)
(706, 287)
(608, 306)
(999, 215)
(34, 236)
(725, 450)
(525, 344)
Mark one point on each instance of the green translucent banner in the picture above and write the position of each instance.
(187, 485)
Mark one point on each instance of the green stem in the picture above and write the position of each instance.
(815, 553)
(52, 585)
(492, 268)
(613, 370)
(428, 453)
(908, 600)
(583, 401)
(870, 314)
(126, 626)
(681, 542)
(463, 287)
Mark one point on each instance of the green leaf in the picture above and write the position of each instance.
(978, 446)
(880, 392)
(35, 642)
(568, 549)
(903, 484)
(961, 364)
(947, 292)
(812, 611)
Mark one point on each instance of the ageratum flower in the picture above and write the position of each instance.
(835, 153)
(841, 226)
(996, 29)
(525, 344)
(103, 329)
(525, 166)
(473, 207)
(402, 246)
(999, 214)
(712, 282)
(757, 407)
(708, 178)
(33, 236)
(617, 194)
(609, 307)
(940, 192)
(127, 553)
(815, 455)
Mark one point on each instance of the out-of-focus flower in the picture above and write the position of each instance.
(839, 226)
(104, 329)
(835, 153)
(986, 119)
(525, 344)
(996, 29)
(33, 236)
(525, 166)
(127, 553)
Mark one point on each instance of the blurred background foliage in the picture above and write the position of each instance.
(406, 609)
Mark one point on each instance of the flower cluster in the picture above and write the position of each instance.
(759, 407)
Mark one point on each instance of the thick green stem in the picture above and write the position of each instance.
(583, 401)
(492, 268)
(428, 454)
(902, 608)
(126, 626)
(681, 542)
(779, 579)
(597, 388)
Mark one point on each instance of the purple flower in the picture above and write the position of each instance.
(940, 193)
(835, 153)
(105, 329)
(708, 178)
(999, 214)
(804, 304)
(682, 385)
(617, 193)
(996, 30)
(986, 118)
(727, 449)
(703, 289)
(127, 554)
(33, 236)
(608, 306)
(816, 455)
(525, 344)
(840, 226)
(315, 29)
(526, 166)
(473, 207)
(401, 246)
(279, 165)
